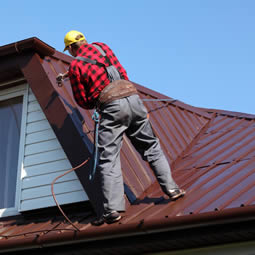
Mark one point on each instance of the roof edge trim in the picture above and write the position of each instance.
(61, 56)
(30, 44)
(121, 230)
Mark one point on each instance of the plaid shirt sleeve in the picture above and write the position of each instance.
(78, 88)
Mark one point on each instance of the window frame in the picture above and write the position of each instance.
(5, 94)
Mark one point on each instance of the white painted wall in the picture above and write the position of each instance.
(44, 159)
(245, 248)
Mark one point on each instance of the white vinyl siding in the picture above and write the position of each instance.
(44, 159)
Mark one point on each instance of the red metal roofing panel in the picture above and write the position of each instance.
(212, 154)
(176, 126)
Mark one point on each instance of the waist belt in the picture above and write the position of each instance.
(116, 90)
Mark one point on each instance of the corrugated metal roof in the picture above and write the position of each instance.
(212, 154)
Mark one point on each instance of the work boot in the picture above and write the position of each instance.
(98, 222)
(174, 194)
(109, 218)
(112, 217)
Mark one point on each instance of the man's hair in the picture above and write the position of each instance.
(77, 45)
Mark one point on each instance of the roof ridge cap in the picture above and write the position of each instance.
(157, 95)
(229, 113)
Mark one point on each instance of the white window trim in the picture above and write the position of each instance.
(20, 90)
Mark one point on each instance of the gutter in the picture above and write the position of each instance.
(143, 227)
(30, 44)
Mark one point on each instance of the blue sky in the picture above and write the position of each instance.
(201, 52)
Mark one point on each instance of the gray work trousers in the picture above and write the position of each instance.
(127, 115)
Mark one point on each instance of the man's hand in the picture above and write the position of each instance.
(60, 77)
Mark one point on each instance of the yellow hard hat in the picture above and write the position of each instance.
(71, 37)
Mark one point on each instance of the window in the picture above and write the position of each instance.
(10, 119)
(30, 156)
(11, 147)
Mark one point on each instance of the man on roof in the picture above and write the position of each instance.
(99, 81)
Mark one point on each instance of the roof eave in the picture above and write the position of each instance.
(30, 44)
(227, 216)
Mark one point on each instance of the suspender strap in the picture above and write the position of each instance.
(103, 53)
(112, 72)
(99, 49)
(91, 61)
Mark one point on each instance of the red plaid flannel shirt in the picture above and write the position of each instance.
(89, 80)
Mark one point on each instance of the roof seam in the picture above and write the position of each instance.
(215, 164)
(230, 113)
(195, 139)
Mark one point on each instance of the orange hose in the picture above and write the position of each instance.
(54, 196)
